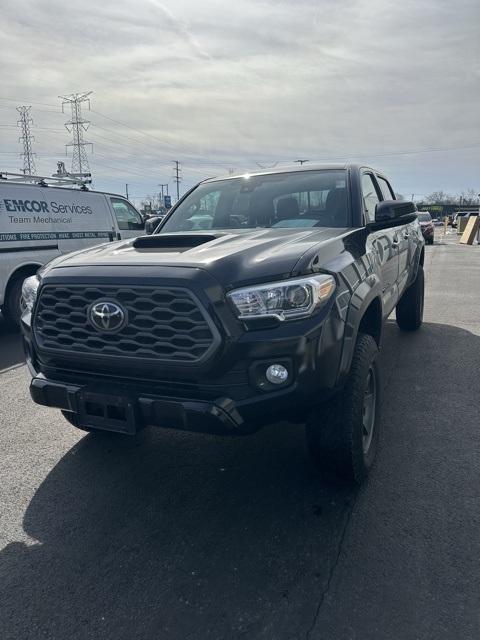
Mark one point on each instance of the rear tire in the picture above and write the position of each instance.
(409, 310)
(342, 434)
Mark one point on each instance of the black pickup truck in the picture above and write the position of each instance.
(258, 298)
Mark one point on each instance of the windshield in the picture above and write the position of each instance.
(424, 217)
(297, 199)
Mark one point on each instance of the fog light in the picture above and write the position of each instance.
(276, 374)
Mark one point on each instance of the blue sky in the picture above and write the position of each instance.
(222, 86)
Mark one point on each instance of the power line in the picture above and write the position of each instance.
(331, 158)
(155, 137)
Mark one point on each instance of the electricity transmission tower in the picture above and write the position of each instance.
(266, 166)
(77, 125)
(28, 163)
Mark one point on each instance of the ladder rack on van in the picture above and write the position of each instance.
(70, 179)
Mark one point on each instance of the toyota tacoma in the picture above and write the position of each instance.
(258, 298)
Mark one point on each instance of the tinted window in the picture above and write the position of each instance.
(387, 191)
(370, 196)
(297, 199)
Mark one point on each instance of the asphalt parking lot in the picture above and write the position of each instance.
(182, 536)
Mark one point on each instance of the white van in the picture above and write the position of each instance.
(38, 223)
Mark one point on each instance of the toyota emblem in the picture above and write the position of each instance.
(107, 316)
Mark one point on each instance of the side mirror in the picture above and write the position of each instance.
(393, 212)
(136, 225)
(151, 224)
(389, 209)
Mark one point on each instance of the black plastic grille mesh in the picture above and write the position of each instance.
(164, 323)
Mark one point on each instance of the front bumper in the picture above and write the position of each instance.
(128, 413)
(122, 411)
(223, 392)
(232, 400)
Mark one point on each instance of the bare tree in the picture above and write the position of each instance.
(150, 201)
(466, 198)
(440, 197)
(469, 198)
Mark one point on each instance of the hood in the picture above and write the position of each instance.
(232, 258)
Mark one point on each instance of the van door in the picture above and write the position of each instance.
(26, 222)
(129, 222)
(79, 219)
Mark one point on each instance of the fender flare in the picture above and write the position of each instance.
(368, 293)
(418, 260)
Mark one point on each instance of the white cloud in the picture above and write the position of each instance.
(248, 82)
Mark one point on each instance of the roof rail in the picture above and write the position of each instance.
(58, 179)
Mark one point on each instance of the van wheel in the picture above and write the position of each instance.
(342, 434)
(13, 306)
(409, 310)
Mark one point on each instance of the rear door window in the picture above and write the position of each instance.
(387, 190)
(370, 196)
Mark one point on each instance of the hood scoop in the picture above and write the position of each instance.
(173, 241)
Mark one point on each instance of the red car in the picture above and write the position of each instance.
(426, 224)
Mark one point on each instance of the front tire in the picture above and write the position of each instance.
(409, 310)
(13, 306)
(342, 434)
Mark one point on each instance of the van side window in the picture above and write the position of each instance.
(128, 218)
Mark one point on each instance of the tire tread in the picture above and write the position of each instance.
(332, 428)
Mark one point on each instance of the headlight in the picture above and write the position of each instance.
(29, 291)
(287, 300)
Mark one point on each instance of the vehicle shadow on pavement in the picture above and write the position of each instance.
(11, 352)
(181, 536)
(148, 538)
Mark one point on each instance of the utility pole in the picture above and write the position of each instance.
(77, 126)
(28, 163)
(126, 190)
(161, 186)
(301, 161)
(176, 177)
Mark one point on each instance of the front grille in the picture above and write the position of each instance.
(164, 324)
